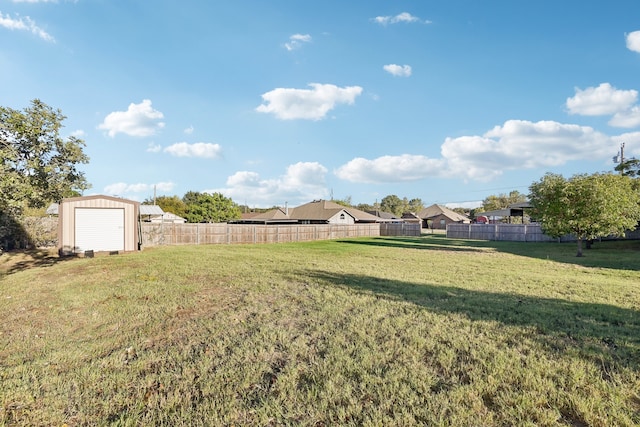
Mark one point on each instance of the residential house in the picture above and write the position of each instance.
(438, 216)
(315, 212)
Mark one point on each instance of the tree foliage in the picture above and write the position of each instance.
(346, 202)
(38, 166)
(173, 204)
(205, 207)
(587, 206)
(629, 167)
(502, 201)
(397, 206)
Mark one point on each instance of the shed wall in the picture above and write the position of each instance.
(66, 220)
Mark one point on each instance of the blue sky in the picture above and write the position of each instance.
(283, 101)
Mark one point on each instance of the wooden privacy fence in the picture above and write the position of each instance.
(505, 232)
(203, 234)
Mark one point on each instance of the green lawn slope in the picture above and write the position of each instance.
(374, 331)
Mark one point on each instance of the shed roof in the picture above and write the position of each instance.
(99, 196)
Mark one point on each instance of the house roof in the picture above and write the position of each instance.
(322, 210)
(317, 210)
(273, 215)
(326, 209)
(151, 210)
(437, 210)
(383, 215)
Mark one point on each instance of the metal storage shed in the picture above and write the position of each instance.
(98, 224)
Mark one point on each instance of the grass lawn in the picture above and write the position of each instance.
(371, 331)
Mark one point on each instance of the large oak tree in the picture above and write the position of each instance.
(37, 165)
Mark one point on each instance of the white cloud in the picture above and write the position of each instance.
(189, 130)
(302, 182)
(122, 189)
(627, 119)
(25, 24)
(199, 149)
(520, 144)
(139, 120)
(633, 41)
(310, 104)
(154, 148)
(79, 133)
(384, 169)
(517, 144)
(402, 17)
(296, 41)
(244, 179)
(601, 100)
(398, 70)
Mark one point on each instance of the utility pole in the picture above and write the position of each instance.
(620, 158)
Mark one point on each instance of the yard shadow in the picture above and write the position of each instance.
(606, 334)
(426, 243)
(16, 261)
(615, 254)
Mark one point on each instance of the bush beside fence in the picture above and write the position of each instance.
(204, 234)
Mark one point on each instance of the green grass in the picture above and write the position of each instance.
(374, 331)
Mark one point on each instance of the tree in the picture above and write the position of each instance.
(205, 207)
(502, 201)
(173, 204)
(365, 207)
(392, 204)
(346, 202)
(38, 166)
(587, 206)
(629, 167)
(414, 205)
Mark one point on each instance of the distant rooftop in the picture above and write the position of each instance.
(151, 210)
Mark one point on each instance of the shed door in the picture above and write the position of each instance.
(99, 229)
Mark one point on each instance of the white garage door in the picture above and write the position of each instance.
(99, 229)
